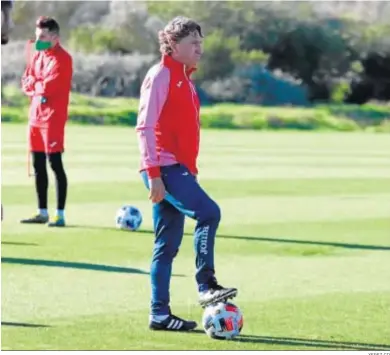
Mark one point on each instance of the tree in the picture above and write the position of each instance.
(218, 60)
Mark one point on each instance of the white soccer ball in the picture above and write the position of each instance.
(128, 218)
(222, 321)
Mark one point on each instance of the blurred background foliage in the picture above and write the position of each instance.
(268, 53)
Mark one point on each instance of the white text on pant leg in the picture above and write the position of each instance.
(204, 234)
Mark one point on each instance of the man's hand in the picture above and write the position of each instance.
(157, 190)
(28, 82)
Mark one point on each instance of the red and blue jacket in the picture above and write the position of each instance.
(168, 118)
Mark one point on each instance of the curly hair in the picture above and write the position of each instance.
(177, 29)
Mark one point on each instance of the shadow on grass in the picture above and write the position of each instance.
(108, 229)
(295, 241)
(308, 242)
(262, 239)
(20, 243)
(72, 265)
(25, 325)
(102, 228)
(76, 265)
(286, 341)
(330, 344)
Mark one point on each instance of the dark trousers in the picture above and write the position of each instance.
(184, 197)
(42, 181)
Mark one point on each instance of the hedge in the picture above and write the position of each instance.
(122, 111)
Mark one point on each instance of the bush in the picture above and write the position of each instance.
(93, 39)
(218, 59)
(93, 74)
(316, 42)
(219, 118)
(364, 115)
(340, 92)
(123, 111)
(253, 84)
(110, 75)
(254, 117)
(232, 89)
(384, 127)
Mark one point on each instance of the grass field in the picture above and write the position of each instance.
(305, 236)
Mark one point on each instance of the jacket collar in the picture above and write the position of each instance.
(173, 64)
(53, 49)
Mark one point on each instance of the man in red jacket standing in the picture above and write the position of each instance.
(47, 82)
(168, 135)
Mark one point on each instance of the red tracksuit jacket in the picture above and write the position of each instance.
(47, 81)
(168, 118)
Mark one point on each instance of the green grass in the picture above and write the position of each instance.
(123, 111)
(304, 236)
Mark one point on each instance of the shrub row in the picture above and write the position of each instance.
(121, 111)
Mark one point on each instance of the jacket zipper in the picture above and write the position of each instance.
(193, 101)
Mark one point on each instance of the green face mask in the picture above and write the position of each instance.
(42, 45)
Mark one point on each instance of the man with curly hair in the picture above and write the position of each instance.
(168, 134)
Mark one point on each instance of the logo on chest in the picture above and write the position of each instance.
(180, 83)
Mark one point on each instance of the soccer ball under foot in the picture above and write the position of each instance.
(128, 218)
(222, 321)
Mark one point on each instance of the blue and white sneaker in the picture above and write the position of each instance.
(57, 222)
(173, 323)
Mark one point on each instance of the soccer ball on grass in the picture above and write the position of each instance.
(128, 218)
(222, 321)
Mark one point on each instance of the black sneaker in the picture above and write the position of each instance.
(215, 294)
(36, 219)
(173, 323)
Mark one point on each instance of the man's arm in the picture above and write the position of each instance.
(28, 82)
(154, 93)
(28, 78)
(58, 80)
